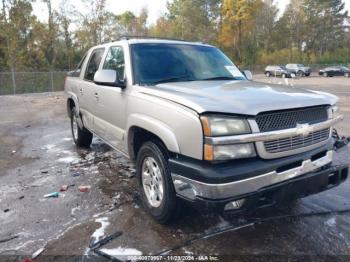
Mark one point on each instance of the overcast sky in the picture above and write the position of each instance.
(155, 7)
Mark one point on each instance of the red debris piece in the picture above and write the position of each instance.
(84, 188)
(64, 188)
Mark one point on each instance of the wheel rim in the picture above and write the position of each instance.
(75, 127)
(152, 182)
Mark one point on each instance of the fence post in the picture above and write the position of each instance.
(51, 79)
(13, 81)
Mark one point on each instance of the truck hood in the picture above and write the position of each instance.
(238, 97)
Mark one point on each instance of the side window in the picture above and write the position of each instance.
(115, 61)
(94, 63)
(77, 70)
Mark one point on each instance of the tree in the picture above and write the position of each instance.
(238, 21)
(325, 22)
(265, 26)
(191, 19)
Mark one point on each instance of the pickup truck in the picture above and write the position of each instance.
(199, 130)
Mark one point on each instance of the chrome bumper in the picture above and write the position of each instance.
(192, 189)
(273, 135)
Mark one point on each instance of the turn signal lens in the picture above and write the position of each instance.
(208, 152)
(206, 125)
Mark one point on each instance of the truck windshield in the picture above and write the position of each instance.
(163, 63)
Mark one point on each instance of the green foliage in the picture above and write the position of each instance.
(249, 31)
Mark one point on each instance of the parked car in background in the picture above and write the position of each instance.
(299, 69)
(335, 71)
(277, 70)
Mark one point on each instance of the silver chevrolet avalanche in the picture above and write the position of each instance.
(199, 130)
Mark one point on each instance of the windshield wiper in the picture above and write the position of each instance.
(219, 78)
(173, 79)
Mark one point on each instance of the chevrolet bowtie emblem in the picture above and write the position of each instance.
(304, 129)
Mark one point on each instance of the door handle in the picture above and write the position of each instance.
(96, 96)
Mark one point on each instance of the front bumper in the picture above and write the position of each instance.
(309, 184)
(217, 185)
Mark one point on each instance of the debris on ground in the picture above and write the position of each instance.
(64, 188)
(21, 197)
(53, 194)
(104, 241)
(76, 174)
(13, 152)
(8, 239)
(84, 188)
(44, 171)
(37, 253)
(6, 210)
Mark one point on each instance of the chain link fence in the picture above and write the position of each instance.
(31, 82)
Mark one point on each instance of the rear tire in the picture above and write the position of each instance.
(81, 137)
(300, 73)
(155, 183)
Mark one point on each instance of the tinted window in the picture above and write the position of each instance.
(154, 63)
(115, 61)
(94, 63)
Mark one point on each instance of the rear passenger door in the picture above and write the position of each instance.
(110, 114)
(88, 90)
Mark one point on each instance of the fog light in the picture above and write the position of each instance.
(234, 205)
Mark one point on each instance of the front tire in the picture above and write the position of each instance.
(347, 74)
(155, 183)
(268, 74)
(300, 73)
(81, 137)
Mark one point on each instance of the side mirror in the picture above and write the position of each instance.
(107, 77)
(248, 75)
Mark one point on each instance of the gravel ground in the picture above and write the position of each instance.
(37, 157)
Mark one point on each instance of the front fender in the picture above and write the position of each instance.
(156, 127)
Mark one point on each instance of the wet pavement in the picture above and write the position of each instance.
(37, 157)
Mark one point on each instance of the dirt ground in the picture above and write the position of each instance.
(37, 157)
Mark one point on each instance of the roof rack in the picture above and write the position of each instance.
(128, 37)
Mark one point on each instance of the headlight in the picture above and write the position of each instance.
(214, 126)
(227, 152)
(224, 126)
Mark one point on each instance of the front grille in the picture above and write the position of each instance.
(292, 143)
(289, 119)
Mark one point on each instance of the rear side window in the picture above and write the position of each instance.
(93, 64)
(115, 61)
